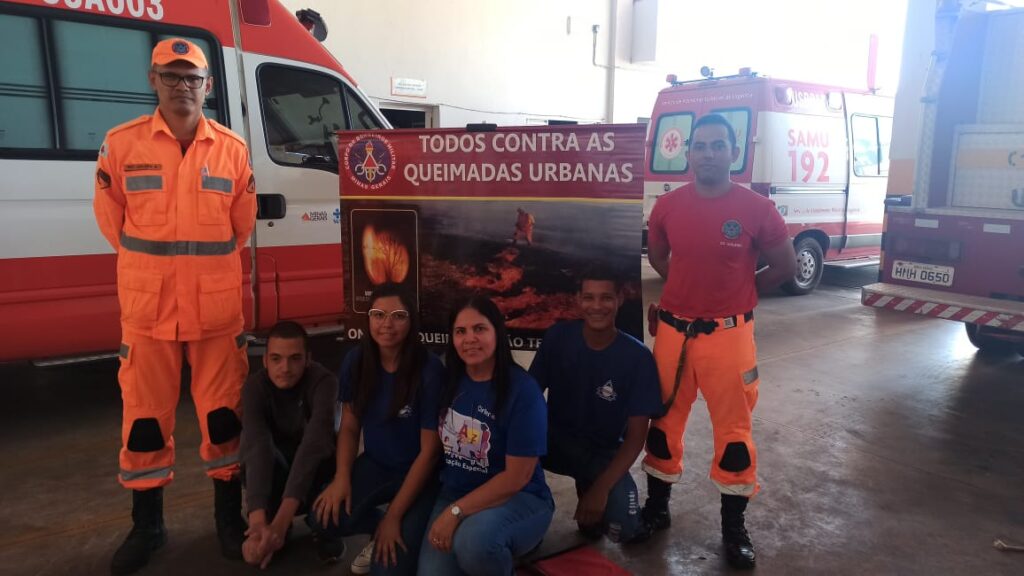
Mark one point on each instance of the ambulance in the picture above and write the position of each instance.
(820, 152)
(72, 69)
(954, 231)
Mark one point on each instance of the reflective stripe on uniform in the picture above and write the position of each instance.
(218, 184)
(140, 183)
(736, 489)
(224, 462)
(750, 376)
(179, 248)
(150, 474)
(123, 351)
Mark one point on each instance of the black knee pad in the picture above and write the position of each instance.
(736, 458)
(145, 436)
(657, 444)
(223, 425)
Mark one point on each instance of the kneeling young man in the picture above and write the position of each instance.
(602, 392)
(287, 443)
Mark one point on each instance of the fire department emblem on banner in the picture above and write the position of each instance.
(370, 161)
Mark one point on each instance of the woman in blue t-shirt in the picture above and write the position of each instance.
(389, 387)
(494, 504)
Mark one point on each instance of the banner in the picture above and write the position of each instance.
(512, 213)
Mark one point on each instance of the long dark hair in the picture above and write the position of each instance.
(503, 363)
(411, 358)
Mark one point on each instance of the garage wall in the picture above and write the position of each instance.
(501, 61)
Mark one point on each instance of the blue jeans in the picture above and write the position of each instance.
(372, 486)
(582, 461)
(488, 542)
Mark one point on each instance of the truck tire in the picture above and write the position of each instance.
(988, 344)
(809, 267)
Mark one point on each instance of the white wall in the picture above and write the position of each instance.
(501, 61)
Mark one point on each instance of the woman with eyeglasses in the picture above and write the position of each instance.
(389, 387)
(494, 504)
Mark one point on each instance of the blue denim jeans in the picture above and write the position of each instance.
(488, 542)
(579, 459)
(374, 485)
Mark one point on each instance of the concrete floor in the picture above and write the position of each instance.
(886, 444)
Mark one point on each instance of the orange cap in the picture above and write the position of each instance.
(172, 49)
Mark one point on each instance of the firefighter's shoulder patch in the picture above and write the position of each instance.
(102, 178)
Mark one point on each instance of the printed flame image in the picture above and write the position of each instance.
(386, 259)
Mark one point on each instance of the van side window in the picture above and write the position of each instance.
(739, 119)
(360, 116)
(301, 110)
(62, 90)
(871, 137)
(101, 79)
(25, 119)
(668, 153)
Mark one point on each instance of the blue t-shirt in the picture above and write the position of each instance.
(394, 443)
(476, 443)
(592, 393)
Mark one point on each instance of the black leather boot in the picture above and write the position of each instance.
(739, 551)
(655, 511)
(147, 535)
(227, 511)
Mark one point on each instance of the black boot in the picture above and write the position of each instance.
(738, 549)
(147, 535)
(227, 511)
(655, 511)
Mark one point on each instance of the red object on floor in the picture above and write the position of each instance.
(582, 560)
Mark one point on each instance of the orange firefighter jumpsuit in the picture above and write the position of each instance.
(178, 223)
(705, 329)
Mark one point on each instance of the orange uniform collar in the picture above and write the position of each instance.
(203, 130)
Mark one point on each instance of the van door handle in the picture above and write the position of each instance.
(270, 206)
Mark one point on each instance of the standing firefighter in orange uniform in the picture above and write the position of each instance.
(705, 239)
(176, 199)
(524, 227)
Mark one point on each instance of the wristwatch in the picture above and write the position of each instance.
(456, 511)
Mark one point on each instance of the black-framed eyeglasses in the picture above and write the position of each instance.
(170, 79)
(382, 315)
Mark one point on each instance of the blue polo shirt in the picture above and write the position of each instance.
(476, 443)
(593, 393)
(394, 442)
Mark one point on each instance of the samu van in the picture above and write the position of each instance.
(821, 153)
(73, 69)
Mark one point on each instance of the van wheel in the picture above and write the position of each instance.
(988, 344)
(809, 267)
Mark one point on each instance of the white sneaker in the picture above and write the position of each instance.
(361, 563)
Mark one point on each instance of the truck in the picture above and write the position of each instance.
(820, 152)
(72, 69)
(954, 228)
